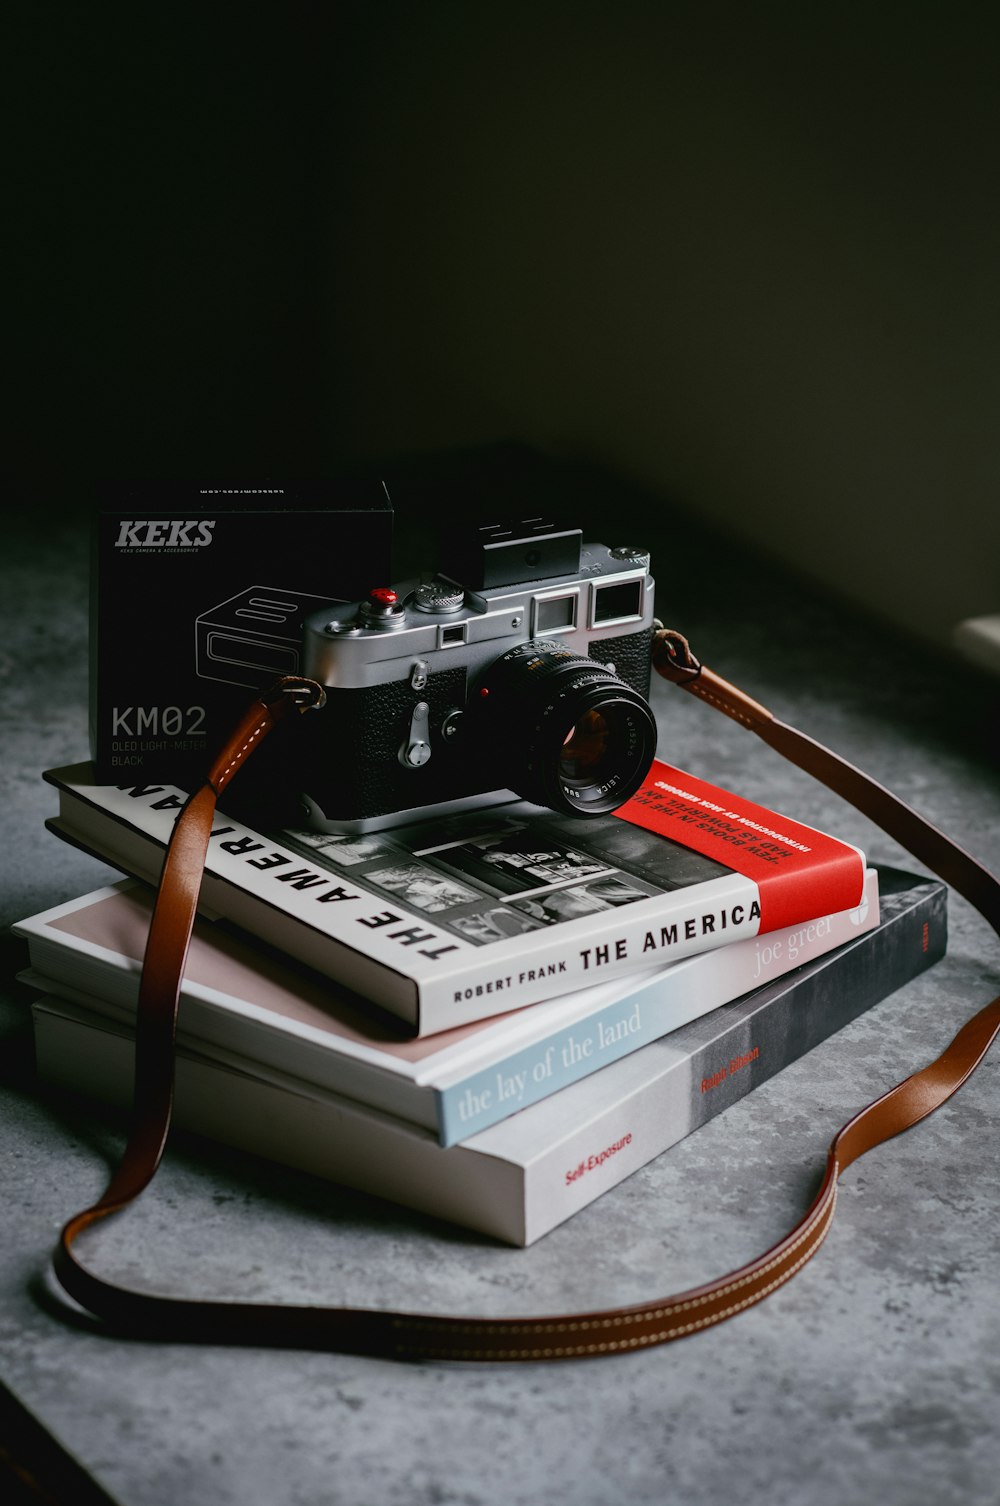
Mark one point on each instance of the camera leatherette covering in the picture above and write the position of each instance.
(630, 656)
(350, 754)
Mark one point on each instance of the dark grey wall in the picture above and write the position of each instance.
(168, 242)
(744, 254)
(748, 254)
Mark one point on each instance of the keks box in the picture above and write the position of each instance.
(197, 599)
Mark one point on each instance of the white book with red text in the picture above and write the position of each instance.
(243, 1003)
(457, 918)
(521, 1177)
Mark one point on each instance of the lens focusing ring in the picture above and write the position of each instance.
(569, 733)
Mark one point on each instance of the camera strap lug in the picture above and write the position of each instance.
(303, 694)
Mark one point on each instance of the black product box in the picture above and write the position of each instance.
(197, 599)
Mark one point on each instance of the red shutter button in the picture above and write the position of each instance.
(383, 610)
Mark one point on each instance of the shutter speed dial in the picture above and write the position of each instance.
(438, 595)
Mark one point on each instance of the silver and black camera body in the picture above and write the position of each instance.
(521, 666)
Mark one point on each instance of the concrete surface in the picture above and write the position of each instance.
(871, 1377)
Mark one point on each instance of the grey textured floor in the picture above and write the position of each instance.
(872, 1377)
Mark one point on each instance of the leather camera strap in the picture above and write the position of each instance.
(402, 1335)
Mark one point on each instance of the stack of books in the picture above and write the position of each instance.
(492, 1017)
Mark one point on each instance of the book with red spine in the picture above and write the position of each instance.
(457, 918)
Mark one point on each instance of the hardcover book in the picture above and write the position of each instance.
(242, 1002)
(458, 918)
(522, 1177)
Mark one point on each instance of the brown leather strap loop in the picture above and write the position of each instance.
(436, 1336)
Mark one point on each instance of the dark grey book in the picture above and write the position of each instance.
(777, 1024)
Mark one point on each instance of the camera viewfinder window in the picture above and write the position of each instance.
(619, 602)
(555, 612)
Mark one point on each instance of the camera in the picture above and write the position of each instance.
(520, 665)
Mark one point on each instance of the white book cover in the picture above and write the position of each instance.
(458, 918)
(245, 1005)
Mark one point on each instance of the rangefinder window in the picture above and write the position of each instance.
(618, 603)
(555, 612)
(454, 633)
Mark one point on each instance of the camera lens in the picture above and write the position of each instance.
(567, 732)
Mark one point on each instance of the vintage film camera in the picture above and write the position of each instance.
(522, 665)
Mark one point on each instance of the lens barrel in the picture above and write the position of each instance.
(566, 731)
